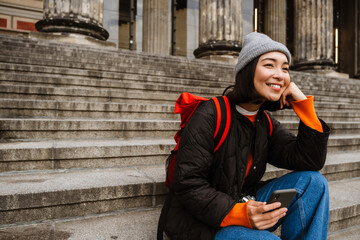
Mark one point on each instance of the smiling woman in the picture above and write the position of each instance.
(206, 200)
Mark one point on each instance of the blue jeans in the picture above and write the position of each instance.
(307, 216)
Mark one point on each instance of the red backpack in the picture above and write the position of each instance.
(186, 106)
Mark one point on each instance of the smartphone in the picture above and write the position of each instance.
(284, 196)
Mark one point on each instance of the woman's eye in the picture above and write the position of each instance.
(286, 69)
(268, 65)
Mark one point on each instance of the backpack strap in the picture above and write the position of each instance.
(270, 124)
(223, 120)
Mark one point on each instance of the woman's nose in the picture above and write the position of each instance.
(279, 74)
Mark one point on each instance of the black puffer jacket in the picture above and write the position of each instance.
(207, 185)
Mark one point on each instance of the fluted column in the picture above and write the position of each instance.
(220, 29)
(313, 35)
(275, 20)
(155, 26)
(357, 40)
(74, 16)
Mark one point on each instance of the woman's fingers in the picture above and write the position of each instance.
(270, 223)
(261, 218)
(269, 219)
(291, 93)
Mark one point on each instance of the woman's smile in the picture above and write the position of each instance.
(275, 87)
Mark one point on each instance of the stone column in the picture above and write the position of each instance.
(73, 16)
(156, 26)
(275, 20)
(357, 40)
(314, 35)
(220, 30)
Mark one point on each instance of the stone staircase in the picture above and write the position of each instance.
(85, 132)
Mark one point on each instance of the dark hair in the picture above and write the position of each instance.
(244, 89)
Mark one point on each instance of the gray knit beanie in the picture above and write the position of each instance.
(256, 44)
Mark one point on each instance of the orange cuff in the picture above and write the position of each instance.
(237, 216)
(306, 112)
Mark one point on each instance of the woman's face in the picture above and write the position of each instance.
(272, 75)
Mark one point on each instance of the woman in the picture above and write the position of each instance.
(205, 199)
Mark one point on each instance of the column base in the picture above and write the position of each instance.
(316, 65)
(70, 25)
(224, 51)
(323, 67)
(72, 38)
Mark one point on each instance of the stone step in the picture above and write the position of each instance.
(345, 142)
(42, 196)
(351, 233)
(39, 215)
(23, 108)
(73, 109)
(49, 128)
(75, 154)
(120, 95)
(31, 128)
(134, 224)
(53, 76)
(86, 94)
(67, 154)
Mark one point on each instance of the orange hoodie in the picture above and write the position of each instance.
(305, 110)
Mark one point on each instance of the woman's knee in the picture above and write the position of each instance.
(314, 180)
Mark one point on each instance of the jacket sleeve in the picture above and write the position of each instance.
(193, 169)
(306, 151)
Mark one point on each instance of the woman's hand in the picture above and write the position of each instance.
(260, 218)
(291, 93)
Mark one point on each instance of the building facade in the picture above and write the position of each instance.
(323, 36)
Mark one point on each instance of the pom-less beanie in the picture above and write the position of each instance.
(256, 44)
